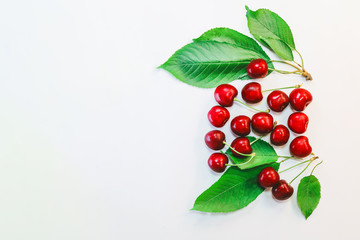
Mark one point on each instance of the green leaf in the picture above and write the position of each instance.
(281, 49)
(208, 64)
(265, 154)
(308, 194)
(234, 190)
(272, 31)
(231, 36)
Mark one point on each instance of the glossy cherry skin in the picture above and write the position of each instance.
(224, 94)
(282, 190)
(268, 177)
(300, 98)
(217, 162)
(215, 139)
(242, 145)
(251, 92)
(257, 68)
(298, 122)
(280, 135)
(277, 101)
(262, 122)
(300, 147)
(218, 116)
(240, 125)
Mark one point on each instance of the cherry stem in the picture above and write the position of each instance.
(296, 86)
(300, 70)
(256, 140)
(300, 173)
(297, 63)
(315, 167)
(294, 166)
(310, 161)
(239, 164)
(237, 100)
(243, 154)
(279, 61)
(286, 72)
(275, 123)
(288, 157)
(302, 60)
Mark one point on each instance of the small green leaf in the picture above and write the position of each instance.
(234, 190)
(308, 194)
(280, 48)
(264, 154)
(207, 64)
(272, 31)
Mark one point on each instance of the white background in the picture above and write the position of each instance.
(95, 143)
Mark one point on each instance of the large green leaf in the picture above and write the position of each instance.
(233, 37)
(272, 31)
(208, 64)
(264, 154)
(234, 190)
(308, 194)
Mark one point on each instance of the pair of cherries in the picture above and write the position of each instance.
(269, 177)
(299, 146)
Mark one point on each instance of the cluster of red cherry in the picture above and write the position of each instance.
(261, 123)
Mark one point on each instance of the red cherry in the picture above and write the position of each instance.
(268, 177)
(215, 139)
(217, 162)
(251, 92)
(280, 135)
(224, 94)
(282, 190)
(298, 122)
(242, 145)
(300, 147)
(257, 68)
(218, 116)
(262, 122)
(300, 98)
(277, 100)
(240, 125)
